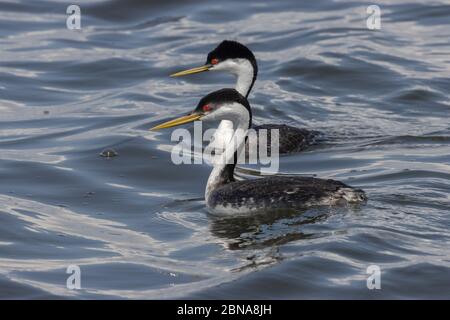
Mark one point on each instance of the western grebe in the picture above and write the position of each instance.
(237, 59)
(224, 195)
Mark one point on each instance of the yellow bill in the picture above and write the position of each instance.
(206, 67)
(177, 121)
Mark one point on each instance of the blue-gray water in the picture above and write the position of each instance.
(136, 223)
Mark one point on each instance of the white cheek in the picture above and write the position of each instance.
(234, 112)
(209, 117)
(223, 113)
(227, 65)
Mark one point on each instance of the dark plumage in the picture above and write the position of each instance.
(282, 193)
(291, 139)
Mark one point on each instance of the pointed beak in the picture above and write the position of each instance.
(177, 121)
(204, 68)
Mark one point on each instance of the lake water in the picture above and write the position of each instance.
(136, 224)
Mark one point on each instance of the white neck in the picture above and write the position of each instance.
(244, 82)
(222, 135)
(244, 75)
(242, 69)
(239, 119)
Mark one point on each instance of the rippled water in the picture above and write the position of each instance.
(136, 223)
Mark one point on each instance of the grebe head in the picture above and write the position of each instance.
(224, 104)
(233, 57)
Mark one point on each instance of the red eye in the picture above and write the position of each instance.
(214, 61)
(206, 108)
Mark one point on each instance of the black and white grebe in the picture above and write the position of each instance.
(237, 59)
(224, 195)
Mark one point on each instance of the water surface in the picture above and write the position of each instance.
(136, 224)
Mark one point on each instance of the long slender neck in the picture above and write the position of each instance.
(246, 73)
(225, 163)
(246, 77)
